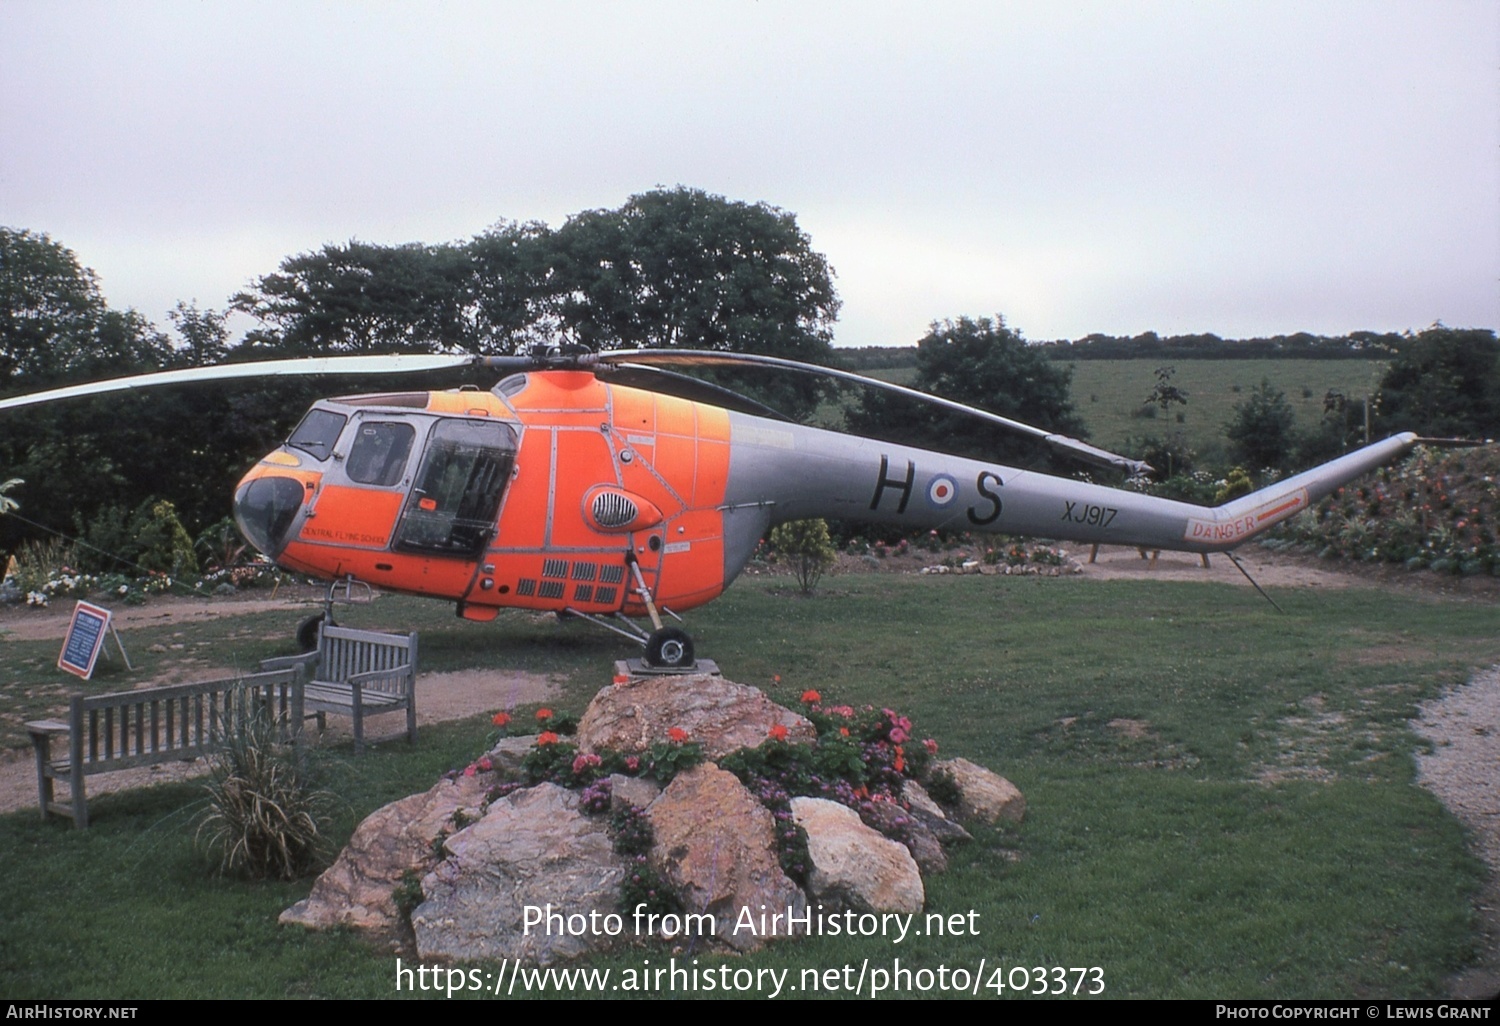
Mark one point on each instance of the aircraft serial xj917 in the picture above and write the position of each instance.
(600, 486)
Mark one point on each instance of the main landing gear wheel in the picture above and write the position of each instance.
(669, 647)
(307, 632)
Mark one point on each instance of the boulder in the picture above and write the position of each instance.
(853, 866)
(719, 714)
(716, 845)
(636, 791)
(983, 794)
(396, 839)
(532, 849)
(508, 753)
(932, 817)
(905, 827)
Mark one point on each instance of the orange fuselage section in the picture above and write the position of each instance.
(536, 495)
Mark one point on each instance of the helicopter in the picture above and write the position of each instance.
(607, 487)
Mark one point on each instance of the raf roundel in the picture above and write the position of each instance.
(942, 491)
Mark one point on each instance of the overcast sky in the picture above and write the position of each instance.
(1246, 168)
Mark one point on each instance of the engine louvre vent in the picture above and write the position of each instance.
(613, 510)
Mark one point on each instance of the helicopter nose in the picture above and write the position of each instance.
(265, 508)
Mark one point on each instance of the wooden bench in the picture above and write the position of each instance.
(359, 673)
(149, 726)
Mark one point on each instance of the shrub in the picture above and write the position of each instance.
(808, 547)
(264, 819)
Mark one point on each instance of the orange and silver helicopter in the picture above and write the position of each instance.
(605, 487)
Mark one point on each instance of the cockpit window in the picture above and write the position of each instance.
(318, 433)
(378, 455)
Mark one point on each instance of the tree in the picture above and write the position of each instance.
(1261, 434)
(86, 456)
(1443, 382)
(680, 268)
(54, 323)
(515, 287)
(49, 306)
(365, 298)
(204, 334)
(979, 363)
(1164, 394)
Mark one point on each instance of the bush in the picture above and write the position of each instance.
(808, 547)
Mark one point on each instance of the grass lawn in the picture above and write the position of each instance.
(1221, 797)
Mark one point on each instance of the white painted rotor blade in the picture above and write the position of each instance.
(396, 364)
(712, 358)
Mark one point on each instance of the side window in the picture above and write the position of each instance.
(379, 453)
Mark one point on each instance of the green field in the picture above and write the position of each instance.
(1221, 797)
(1109, 394)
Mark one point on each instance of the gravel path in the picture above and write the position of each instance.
(1463, 770)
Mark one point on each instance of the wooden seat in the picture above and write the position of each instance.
(359, 673)
(149, 726)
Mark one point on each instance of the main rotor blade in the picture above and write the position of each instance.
(396, 364)
(709, 358)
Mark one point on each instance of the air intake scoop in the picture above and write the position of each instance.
(616, 511)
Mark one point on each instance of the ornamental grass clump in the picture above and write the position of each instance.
(264, 819)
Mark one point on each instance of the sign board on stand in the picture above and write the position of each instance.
(85, 639)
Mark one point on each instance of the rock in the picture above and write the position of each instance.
(853, 866)
(719, 714)
(635, 791)
(983, 794)
(917, 797)
(507, 755)
(225, 589)
(716, 845)
(356, 891)
(932, 817)
(906, 828)
(533, 848)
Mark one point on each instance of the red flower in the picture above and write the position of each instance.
(843, 732)
(485, 764)
(900, 759)
(931, 746)
(543, 715)
(500, 719)
(546, 737)
(677, 734)
(811, 697)
(776, 677)
(778, 732)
